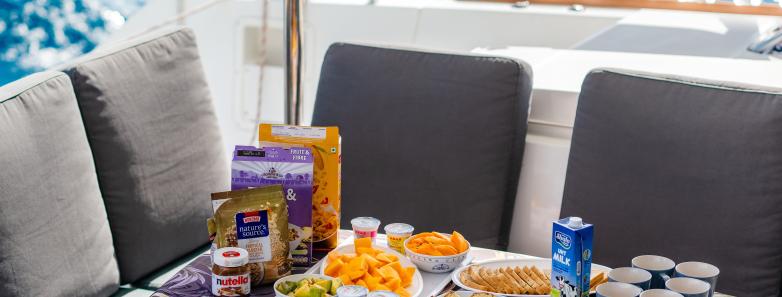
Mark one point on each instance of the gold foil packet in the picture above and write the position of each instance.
(257, 221)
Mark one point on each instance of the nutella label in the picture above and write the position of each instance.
(231, 285)
(252, 233)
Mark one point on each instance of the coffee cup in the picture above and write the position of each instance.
(614, 289)
(631, 275)
(688, 287)
(660, 267)
(660, 293)
(699, 270)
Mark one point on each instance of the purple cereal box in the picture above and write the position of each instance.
(292, 168)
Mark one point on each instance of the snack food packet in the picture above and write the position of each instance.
(257, 221)
(292, 168)
(325, 143)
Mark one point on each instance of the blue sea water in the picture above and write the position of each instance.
(38, 34)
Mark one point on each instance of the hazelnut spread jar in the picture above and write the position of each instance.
(230, 272)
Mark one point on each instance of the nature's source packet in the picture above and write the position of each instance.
(292, 168)
(326, 148)
(257, 221)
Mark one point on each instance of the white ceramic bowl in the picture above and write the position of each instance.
(296, 278)
(436, 264)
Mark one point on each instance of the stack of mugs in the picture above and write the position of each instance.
(657, 276)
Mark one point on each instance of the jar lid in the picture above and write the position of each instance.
(230, 257)
(399, 228)
(365, 222)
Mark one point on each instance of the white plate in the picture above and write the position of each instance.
(415, 288)
(460, 293)
(542, 264)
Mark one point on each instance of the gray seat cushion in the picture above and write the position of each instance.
(688, 169)
(158, 151)
(434, 139)
(56, 239)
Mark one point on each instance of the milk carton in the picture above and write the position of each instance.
(571, 258)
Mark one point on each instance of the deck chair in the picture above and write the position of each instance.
(684, 168)
(434, 139)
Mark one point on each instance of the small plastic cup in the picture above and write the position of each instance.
(396, 234)
(365, 227)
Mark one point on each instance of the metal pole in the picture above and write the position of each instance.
(293, 61)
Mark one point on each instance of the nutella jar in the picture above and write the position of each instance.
(230, 272)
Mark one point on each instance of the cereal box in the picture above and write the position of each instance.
(291, 168)
(326, 150)
(571, 258)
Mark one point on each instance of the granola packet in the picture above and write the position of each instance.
(257, 221)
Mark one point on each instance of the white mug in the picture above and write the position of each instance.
(660, 293)
(688, 287)
(614, 289)
(699, 270)
(631, 275)
(660, 267)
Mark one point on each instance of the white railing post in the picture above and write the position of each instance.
(293, 61)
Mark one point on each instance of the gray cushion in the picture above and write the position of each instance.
(56, 239)
(158, 151)
(688, 169)
(433, 139)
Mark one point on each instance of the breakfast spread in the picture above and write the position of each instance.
(292, 168)
(371, 268)
(325, 145)
(255, 220)
(285, 204)
(571, 257)
(309, 287)
(230, 273)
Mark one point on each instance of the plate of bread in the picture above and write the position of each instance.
(517, 278)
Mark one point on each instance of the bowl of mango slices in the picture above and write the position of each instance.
(437, 252)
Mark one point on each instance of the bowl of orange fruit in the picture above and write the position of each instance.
(437, 252)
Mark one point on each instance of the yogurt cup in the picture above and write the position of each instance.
(396, 234)
(365, 227)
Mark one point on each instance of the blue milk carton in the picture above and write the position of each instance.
(571, 258)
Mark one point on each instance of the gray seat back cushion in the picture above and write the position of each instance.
(683, 168)
(433, 139)
(56, 239)
(158, 151)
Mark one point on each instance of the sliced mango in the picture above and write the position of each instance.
(438, 244)
(365, 242)
(446, 250)
(407, 277)
(334, 267)
(388, 273)
(371, 268)
(458, 242)
(393, 284)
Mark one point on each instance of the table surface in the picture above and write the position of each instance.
(195, 279)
